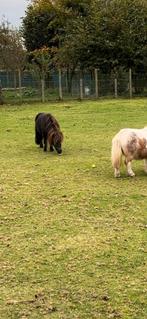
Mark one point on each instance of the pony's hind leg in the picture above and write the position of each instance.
(116, 172)
(116, 165)
(129, 167)
(116, 154)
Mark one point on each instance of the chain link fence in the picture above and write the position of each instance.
(62, 84)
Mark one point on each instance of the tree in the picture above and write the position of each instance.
(124, 25)
(96, 33)
(11, 47)
(40, 25)
(41, 59)
(12, 52)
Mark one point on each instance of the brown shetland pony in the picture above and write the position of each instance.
(47, 131)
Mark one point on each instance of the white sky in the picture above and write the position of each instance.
(13, 10)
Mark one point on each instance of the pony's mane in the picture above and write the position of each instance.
(52, 122)
(53, 128)
(56, 134)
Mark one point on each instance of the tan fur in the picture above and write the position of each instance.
(116, 153)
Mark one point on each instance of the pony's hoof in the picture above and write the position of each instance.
(117, 175)
(131, 174)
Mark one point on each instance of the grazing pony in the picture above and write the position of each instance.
(47, 131)
(132, 144)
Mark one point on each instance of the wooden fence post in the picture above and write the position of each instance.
(60, 85)
(1, 95)
(15, 81)
(19, 81)
(81, 86)
(130, 83)
(115, 88)
(96, 83)
(42, 90)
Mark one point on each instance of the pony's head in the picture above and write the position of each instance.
(56, 140)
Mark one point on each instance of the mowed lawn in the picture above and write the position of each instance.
(72, 236)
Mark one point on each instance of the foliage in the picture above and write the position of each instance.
(12, 51)
(40, 60)
(124, 41)
(40, 26)
(96, 33)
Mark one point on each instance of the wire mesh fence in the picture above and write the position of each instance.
(62, 84)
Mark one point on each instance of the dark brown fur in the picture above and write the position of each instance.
(47, 130)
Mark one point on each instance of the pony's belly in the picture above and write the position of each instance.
(141, 154)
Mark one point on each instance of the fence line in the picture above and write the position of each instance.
(25, 86)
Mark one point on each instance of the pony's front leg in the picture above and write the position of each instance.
(129, 169)
(41, 144)
(45, 144)
(145, 165)
(51, 148)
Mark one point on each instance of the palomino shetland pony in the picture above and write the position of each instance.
(47, 130)
(132, 144)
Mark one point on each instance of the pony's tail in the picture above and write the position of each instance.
(116, 153)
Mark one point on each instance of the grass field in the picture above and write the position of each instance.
(72, 236)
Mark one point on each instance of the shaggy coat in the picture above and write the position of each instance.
(47, 131)
(132, 144)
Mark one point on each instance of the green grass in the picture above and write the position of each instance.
(72, 236)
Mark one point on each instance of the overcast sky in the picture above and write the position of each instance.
(13, 10)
